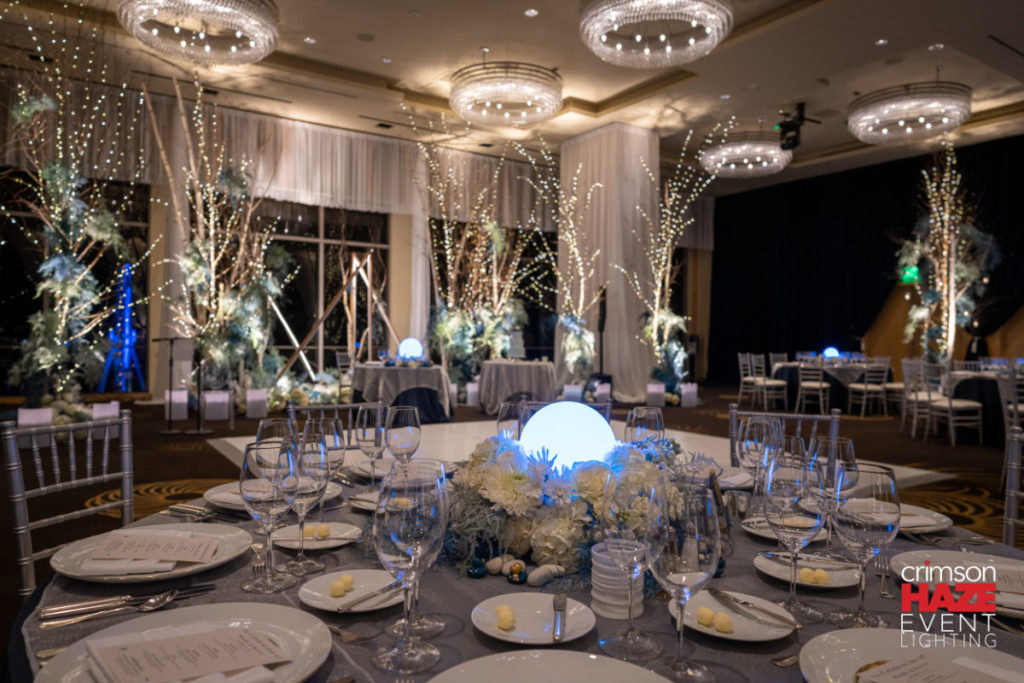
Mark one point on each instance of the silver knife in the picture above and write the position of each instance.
(558, 631)
(346, 606)
(748, 609)
(813, 561)
(71, 608)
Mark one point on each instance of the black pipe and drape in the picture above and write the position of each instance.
(809, 264)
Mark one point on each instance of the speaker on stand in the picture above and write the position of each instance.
(602, 317)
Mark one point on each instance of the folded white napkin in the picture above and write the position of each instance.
(735, 479)
(1011, 600)
(230, 497)
(909, 521)
(91, 567)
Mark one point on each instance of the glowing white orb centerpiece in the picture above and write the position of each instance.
(831, 352)
(410, 348)
(572, 432)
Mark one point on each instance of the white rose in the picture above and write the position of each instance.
(590, 479)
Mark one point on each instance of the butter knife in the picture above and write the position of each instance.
(346, 606)
(813, 561)
(71, 608)
(558, 631)
(750, 610)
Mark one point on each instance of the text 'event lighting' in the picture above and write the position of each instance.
(908, 113)
(571, 432)
(746, 155)
(506, 93)
(204, 32)
(410, 348)
(654, 34)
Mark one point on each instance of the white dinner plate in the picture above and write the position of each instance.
(341, 534)
(837, 656)
(361, 466)
(317, 592)
(565, 666)
(301, 634)
(757, 526)
(534, 618)
(365, 500)
(744, 628)
(1008, 603)
(227, 496)
(838, 578)
(231, 542)
(916, 515)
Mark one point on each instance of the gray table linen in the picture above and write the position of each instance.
(499, 379)
(384, 383)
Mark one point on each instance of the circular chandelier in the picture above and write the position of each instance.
(907, 113)
(746, 155)
(654, 34)
(204, 32)
(506, 93)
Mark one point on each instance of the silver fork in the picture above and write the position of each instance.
(258, 566)
(884, 568)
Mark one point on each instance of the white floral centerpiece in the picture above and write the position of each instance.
(506, 499)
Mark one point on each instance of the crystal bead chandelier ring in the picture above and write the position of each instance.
(204, 32)
(908, 113)
(654, 34)
(746, 155)
(506, 93)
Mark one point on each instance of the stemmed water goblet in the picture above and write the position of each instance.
(624, 529)
(330, 431)
(274, 428)
(369, 434)
(794, 509)
(685, 542)
(263, 465)
(408, 531)
(867, 520)
(308, 473)
(510, 418)
(402, 431)
(831, 455)
(644, 423)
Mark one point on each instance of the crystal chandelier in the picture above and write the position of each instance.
(908, 113)
(506, 93)
(746, 155)
(204, 32)
(654, 34)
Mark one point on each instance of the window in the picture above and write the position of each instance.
(318, 238)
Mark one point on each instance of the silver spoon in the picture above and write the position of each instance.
(788, 660)
(154, 603)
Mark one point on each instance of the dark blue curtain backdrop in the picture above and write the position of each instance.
(809, 264)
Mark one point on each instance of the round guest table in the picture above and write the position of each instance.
(500, 379)
(387, 384)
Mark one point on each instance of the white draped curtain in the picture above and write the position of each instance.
(614, 156)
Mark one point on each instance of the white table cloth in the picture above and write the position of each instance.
(499, 379)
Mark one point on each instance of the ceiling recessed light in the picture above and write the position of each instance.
(386, 60)
(309, 40)
(531, 13)
(882, 42)
(934, 47)
(725, 96)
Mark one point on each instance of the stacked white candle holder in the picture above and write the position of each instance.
(609, 591)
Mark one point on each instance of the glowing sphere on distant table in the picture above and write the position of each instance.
(831, 352)
(410, 348)
(571, 431)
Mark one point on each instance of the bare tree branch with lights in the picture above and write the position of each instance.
(952, 258)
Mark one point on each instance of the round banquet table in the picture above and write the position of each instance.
(500, 379)
(839, 378)
(425, 388)
(445, 592)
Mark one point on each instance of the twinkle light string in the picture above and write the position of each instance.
(76, 134)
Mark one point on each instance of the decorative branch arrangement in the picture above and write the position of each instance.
(576, 284)
(952, 257)
(74, 125)
(231, 270)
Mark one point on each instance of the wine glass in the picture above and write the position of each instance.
(331, 431)
(685, 542)
(402, 431)
(263, 465)
(510, 417)
(644, 423)
(303, 487)
(369, 434)
(425, 626)
(831, 455)
(274, 428)
(867, 519)
(408, 531)
(624, 529)
(793, 508)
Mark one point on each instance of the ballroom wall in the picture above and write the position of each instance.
(808, 264)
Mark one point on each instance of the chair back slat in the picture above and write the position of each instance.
(60, 438)
(876, 374)
(757, 364)
(810, 372)
(346, 412)
(1011, 514)
(735, 415)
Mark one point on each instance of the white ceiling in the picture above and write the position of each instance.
(781, 52)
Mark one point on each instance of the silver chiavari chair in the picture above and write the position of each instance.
(61, 458)
(345, 412)
(957, 412)
(871, 389)
(747, 381)
(787, 419)
(812, 385)
(1011, 514)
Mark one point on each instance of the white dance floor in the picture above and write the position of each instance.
(454, 441)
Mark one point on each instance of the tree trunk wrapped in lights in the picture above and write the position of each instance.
(952, 259)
